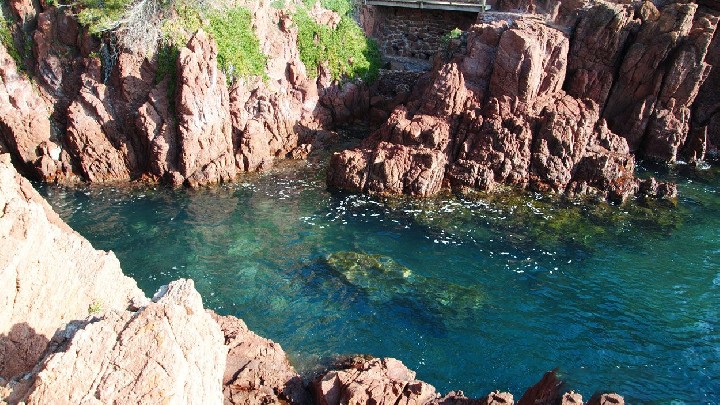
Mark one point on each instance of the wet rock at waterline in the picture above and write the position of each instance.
(531, 105)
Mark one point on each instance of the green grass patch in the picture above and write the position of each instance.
(342, 7)
(239, 52)
(346, 49)
(7, 40)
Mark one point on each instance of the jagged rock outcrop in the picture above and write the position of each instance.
(659, 78)
(25, 125)
(168, 351)
(95, 131)
(497, 114)
(112, 121)
(649, 69)
(387, 381)
(51, 275)
(380, 381)
(257, 370)
(203, 112)
(272, 118)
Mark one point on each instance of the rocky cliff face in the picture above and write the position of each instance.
(94, 112)
(50, 275)
(561, 109)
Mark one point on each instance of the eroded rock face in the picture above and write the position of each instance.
(659, 78)
(171, 350)
(96, 134)
(203, 113)
(52, 275)
(257, 370)
(25, 125)
(497, 114)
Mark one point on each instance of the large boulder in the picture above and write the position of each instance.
(496, 113)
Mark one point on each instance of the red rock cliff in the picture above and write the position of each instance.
(550, 108)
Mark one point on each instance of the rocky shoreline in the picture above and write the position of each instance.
(557, 102)
(554, 103)
(74, 329)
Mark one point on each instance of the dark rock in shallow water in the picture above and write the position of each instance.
(384, 279)
(545, 392)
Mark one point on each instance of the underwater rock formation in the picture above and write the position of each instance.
(382, 278)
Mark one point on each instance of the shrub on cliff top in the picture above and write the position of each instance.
(163, 26)
(346, 49)
(6, 37)
(238, 47)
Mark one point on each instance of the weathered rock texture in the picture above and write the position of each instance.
(380, 381)
(203, 107)
(388, 381)
(25, 129)
(169, 351)
(257, 369)
(526, 104)
(50, 275)
(99, 113)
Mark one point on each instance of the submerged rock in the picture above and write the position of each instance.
(385, 280)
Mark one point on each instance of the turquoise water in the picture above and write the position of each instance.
(476, 294)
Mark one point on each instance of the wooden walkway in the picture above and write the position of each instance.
(478, 6)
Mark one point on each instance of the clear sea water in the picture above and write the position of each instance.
(477, 293)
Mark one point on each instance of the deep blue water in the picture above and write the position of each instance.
(476, 294)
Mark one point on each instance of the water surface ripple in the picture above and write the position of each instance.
(475, 294)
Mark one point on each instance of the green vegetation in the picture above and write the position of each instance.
(238, 47)
(6, 37)
(346, 49)
(342, 7)
(101, 15)
(95, 307)
(19, 52)
(166, 25)
(454, 34)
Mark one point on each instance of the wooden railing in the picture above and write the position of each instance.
(475, 6)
